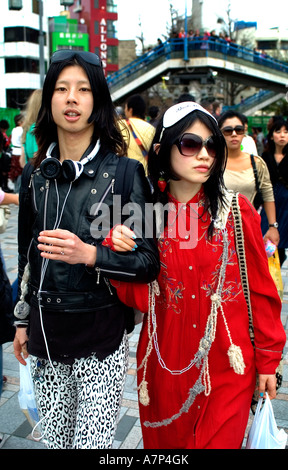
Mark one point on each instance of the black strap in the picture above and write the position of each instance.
(255, 173)
(258, 199)
(124, 178)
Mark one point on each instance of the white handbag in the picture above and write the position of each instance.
(4, 217)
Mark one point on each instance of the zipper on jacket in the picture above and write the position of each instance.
(31, 180)
(108, 285)
(110, 186)
(98, 271)
(98, 275)
(46, 203)
(117, 272)
(31, 184)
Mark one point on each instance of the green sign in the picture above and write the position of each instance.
(69, 39)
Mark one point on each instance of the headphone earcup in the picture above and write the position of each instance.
(51, 168)
(71, 170)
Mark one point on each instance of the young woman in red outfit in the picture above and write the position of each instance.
(196, 362)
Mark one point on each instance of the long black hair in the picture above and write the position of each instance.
(276, 126)
(103, 115)
(159, 164)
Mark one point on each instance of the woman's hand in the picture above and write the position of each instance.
(123, 238)
(273, 235)
(20, 345)
(62, 245)
(272, 232)
(267, 383)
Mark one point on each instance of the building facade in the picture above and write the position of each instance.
(100, 16)
(29, 34)
(274, 42)
(19, 50)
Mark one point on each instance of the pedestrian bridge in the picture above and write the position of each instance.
(197, 59)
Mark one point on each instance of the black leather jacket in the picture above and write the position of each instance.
(75, 288)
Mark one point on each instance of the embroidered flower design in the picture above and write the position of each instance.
(231, 289)
(173, 292)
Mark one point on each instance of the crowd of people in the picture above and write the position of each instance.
(191, 34)
(205, 40)
(220, 37)
(87, 262)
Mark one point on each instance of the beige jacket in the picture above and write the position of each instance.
(244, 182)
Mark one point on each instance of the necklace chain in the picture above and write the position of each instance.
(206, 341)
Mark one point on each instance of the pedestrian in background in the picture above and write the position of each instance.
(276, 158)
(248, 143)
(239, 175)
(29, 144)
(5, 160)
(137, 132)
(153, 115)
(16, 143)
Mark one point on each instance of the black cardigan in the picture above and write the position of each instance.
(278, 172)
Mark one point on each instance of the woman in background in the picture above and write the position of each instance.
(29, 144)
(276, 158)
(239, 175)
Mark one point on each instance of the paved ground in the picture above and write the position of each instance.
(13, 422)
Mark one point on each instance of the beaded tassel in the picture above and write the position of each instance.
(236, 359)
(143, 389)
(143, 393)
(234, 352)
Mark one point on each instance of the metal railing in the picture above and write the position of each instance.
(176, 48)
(251, 101)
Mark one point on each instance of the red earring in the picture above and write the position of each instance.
(162, 184)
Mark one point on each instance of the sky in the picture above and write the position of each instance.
(154, 14)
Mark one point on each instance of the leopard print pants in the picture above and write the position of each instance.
(79, 406)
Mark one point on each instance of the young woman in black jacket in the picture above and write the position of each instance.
(69, 318)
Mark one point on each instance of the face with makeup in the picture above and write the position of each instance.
(233, 132)
(194, 169)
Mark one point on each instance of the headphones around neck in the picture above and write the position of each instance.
(51, 168)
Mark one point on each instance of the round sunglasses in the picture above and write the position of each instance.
(190, 145)
(226, 131)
